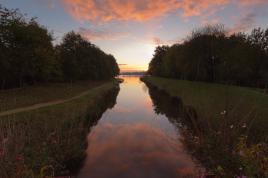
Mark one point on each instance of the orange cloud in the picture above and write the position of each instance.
(94, 34)
(106, 10)
(139, 10)
(252, 2)
(159, 42)
(197, 7)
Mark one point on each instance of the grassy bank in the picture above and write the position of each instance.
(22, 97)
(51, 141)
(227, 144)
(212, 101)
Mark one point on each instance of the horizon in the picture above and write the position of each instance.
(130, 30)
(129, 68)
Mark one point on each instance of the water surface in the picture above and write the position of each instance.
(133, 141)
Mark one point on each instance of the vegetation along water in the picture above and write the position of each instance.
(200, 111)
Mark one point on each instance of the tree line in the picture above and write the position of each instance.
(28, 56)
(211, 54)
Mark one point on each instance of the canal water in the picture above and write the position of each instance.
(133, 140)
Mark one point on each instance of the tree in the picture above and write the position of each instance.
(157, 61)
(212, 56)
(27, 53)
(82, 60)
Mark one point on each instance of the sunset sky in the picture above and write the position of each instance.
(130, 29)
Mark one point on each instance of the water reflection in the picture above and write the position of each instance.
(132, 140)
(83, 127)
(52, 141)
(174, 109)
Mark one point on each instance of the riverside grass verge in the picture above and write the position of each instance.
(42, 93)
(227, 146)
(211, 101)
(50, 141)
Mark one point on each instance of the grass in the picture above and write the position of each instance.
(30, 95)
(51, 140)
(212, 100)
(220, 142)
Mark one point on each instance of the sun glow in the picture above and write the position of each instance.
(133, 68)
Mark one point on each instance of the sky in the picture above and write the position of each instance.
(131, 29)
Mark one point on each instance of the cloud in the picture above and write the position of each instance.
(107, 10)
(244, 24)
(97, 34)
(198, 7)
(138, 10)
(50, 4)
(252, 2)
(159, 42)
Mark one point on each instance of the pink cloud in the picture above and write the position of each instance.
(106, 10)
(159, 42)
(252, 2)
(51, 4)
(139, 10)
(197, 7)
(244, 23)
(94, 34)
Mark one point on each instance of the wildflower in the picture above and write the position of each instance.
(223, 112)
(2, 152)
(244, 125)
(19, 158)
(242, 177)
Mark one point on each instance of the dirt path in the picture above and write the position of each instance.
(41, 105)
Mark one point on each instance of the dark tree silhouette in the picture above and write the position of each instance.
(82, 60)
(211, 55)
(27, 55)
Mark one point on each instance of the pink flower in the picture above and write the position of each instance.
(2, 152)
(19, 158)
